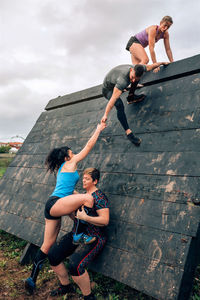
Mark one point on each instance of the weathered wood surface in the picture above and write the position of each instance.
(177, 69)
(154, 228)
(87, 95)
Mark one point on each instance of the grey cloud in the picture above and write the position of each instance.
(51, 48)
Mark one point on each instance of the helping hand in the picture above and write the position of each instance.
(104, 119)
(156, 70)
(101, 126)
(81, 214)
(165, 63)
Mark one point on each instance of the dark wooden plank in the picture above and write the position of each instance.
(28, 254)
(87, 94)
(179, 68)
(168, 188)
(149, 275)
(172, 141)
(169, 216)
(176, 163)
(173, 217)
(143, 123)
(137, 239)
(156, 187)
(163, 163)
(22, 227)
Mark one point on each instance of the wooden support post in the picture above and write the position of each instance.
(28, 254)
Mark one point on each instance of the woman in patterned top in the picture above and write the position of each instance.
(80, 256)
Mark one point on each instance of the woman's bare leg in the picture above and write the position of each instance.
(83, 282)
(66, 205)
(52, 228)
(62, 273)
(138, 54)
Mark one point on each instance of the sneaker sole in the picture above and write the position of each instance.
(135, 101)
(76, 243)
(29, 288)
(93, 240)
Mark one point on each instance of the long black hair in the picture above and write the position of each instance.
(55, 158)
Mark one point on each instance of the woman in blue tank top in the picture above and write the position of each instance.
(62, 201)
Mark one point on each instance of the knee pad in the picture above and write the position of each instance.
(54, 257)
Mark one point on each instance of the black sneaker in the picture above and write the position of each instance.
(135, 98)
(135, 140)
(62, 290)
(30, 285)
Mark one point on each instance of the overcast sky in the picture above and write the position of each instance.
(50, 48)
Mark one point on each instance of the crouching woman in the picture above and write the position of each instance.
(80, 256)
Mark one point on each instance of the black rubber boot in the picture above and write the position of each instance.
(30, 285)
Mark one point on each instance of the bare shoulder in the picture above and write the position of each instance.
(70, 166)
(166, 35)
(151, 29)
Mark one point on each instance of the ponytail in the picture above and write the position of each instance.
(55, 158)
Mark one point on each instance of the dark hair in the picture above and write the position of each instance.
(94, 173)
(55, 158)
(139, 70)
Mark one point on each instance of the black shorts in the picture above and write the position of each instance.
(132, 40)
(52, 200)
(80, 256)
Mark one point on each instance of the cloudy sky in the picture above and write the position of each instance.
(50, 48)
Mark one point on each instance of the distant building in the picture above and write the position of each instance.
(15, 145)
(13, 150)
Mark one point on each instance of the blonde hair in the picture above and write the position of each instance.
(167, 19)
(93, 172)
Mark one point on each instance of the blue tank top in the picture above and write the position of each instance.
(65, 183)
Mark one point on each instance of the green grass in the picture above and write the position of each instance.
(5, 160)
(12, 245)
(2, 171)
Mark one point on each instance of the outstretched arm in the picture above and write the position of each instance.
(115, 95)
(167, 47)
(101, 220)
(90, 144)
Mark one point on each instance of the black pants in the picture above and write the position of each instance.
(119, 107)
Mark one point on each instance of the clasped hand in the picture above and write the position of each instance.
(81, 214)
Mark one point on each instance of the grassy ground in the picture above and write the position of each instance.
(5, 160)
(12, 274)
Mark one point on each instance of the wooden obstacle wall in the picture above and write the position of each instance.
(153, 236)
